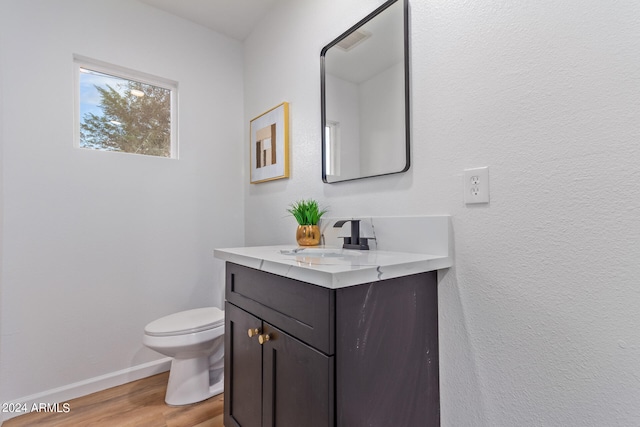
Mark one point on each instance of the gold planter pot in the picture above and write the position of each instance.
(308, 235)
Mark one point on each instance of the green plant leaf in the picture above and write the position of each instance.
(306, 212)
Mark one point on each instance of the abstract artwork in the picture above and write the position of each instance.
(269, 145)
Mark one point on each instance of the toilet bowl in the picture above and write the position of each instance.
(195, 341)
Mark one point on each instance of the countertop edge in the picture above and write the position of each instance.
(314, 274)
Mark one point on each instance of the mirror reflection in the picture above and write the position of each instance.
(365, 102)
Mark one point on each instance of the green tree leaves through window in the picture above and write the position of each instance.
(118, 114)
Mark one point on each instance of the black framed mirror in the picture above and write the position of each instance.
(364, 80)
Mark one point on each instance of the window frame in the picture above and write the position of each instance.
(80, 61)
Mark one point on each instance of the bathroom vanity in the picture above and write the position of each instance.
(331, 337)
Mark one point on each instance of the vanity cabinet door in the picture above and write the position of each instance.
(273, 379)
(243, 370)
(298, 385)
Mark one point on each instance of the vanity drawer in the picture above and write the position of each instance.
(301, 309)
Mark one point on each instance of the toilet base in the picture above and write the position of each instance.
(189, 382)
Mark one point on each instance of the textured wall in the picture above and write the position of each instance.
(539, 318)
(98, 244)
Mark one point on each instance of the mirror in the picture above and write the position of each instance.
(365, 97)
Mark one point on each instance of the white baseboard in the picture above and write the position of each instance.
(91, 385)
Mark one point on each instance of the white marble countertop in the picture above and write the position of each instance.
(333, 267)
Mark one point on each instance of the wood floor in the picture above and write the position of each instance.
(136, 404)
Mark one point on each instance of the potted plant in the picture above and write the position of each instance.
(308, 214)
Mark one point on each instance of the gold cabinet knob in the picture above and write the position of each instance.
(263, 338)
(253, 332)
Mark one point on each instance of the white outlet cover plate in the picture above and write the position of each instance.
(476, 185)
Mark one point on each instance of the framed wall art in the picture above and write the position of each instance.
(269, 145)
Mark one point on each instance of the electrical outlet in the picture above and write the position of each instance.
(476, 185)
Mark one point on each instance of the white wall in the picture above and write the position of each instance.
(382, 122)
(97, 244)
(539, 318)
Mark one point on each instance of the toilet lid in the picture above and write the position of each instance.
(186, 322)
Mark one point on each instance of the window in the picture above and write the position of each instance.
(332, 147)
(123, 110)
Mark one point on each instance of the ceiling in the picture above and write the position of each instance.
(234, 18)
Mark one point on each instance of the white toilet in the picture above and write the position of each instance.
(195, 340)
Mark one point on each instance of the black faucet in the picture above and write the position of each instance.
(355, 241)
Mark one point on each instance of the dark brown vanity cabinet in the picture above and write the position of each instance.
(301, 355)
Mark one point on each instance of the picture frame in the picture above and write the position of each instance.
(269, 145)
